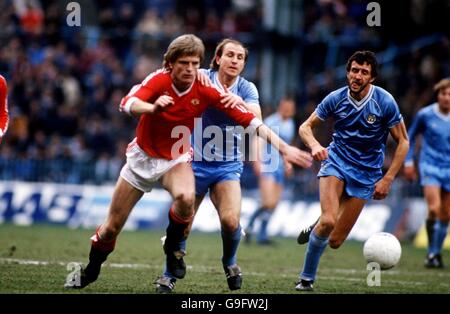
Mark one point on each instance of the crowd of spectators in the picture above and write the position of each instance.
(65, 82)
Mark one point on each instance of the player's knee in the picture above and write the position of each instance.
(185, 200)
(335, 243)
(327, 223)
(230, 224)
(434, 209)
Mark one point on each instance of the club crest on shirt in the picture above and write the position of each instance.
(371, 118)
(195, 101)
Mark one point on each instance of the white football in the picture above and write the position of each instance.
(383, 248)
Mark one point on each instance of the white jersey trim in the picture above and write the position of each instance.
(179, 94)
(440, 114)
(360, 104)
(127, 106)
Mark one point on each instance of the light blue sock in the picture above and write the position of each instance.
(253, 217)
(316, 246)
(262, 234)
(440, 232)
(230, 242)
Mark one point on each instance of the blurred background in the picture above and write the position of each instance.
(65, 83)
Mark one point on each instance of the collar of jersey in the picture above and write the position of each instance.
(179, 94)
(219, 85)
(440, 114)
(360, 104)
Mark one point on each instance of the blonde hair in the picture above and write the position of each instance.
(184, 45)
(219, 51)
(442, 84)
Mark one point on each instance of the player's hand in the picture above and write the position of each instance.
(410, 173)
(203, 79)
(231, 100)
(288, 169)
(162, 102)
(319, 152)
(298, 157)
(382, 189)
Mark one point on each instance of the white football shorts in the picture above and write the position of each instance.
(142, 171)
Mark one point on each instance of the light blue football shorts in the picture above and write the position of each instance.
(434, 175)
(358, 183)
(208, 173)
(277, 175)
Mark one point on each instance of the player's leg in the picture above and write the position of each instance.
(441, 228)
(179, 182)
(331, 189)
(166, 282)
(226, 197)
(124, 198)
(432, 194)
(203, 177)
(271, 193)
(197, 203)
(349, 210)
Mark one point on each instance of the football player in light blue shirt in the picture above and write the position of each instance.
(272, 170)
(351, 171)
(433, 123)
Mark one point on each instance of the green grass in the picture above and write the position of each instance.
(138, 260)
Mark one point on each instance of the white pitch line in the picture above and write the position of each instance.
(392, 272)
(205, 269)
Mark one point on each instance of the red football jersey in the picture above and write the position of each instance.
(4, 117)
(154, 131)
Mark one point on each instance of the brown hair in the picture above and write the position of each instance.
(184, 45)
(362, 57)
(442, 84)
(219, 51)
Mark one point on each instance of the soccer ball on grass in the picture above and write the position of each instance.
(382, 248)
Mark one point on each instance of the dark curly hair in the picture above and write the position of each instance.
(362, 57)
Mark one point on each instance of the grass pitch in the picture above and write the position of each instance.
(34, 260)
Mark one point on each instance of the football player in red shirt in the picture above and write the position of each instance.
(167, 102)
(4, 116)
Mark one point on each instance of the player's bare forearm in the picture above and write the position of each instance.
(257, 143)
(383, 186)
(306, 134)
(289, 153)
(267, 134)
(400, 135)
(139, 106)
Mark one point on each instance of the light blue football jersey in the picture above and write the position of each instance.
(215, 121)
(361, 127)
(435, 129)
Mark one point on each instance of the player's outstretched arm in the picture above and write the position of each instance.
(318, 152)
(400, 135)
(290, 153)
